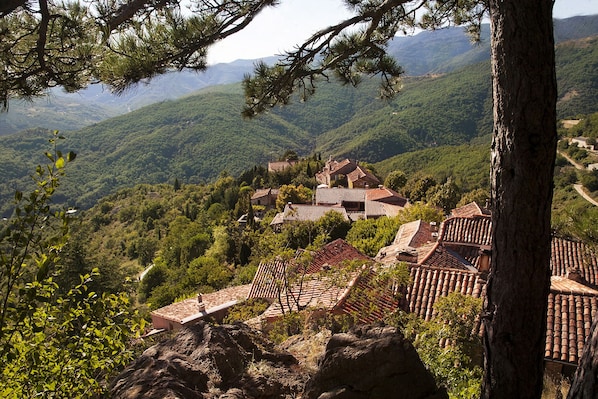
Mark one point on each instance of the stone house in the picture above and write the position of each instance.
(265, 197)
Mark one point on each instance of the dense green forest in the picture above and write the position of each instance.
(195, 138)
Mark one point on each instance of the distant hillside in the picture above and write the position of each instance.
(196, 138)
(434, 52)
(64, 111)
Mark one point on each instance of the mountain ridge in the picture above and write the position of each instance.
(427, 52)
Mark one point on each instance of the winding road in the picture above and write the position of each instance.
(578, 187)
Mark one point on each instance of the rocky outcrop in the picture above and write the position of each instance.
(237, 362)
(206, 361)
(371, 362)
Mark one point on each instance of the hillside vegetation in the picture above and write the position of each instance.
(196, 138)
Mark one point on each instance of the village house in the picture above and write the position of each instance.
(583, 142)
(279, 166)
(212, 306)
(352, 199)
(325, 285)
(346, 172)
(265, 197)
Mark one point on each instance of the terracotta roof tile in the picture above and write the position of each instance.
(430, 283)
(467, 231)
(569, 319)
(266, 280)
(469, 253)
(386, 195)
(445, 258)
(398, 253)
(370, 298)
(316, 291)
(470, 210)
(414, 234)
(568, 256)
(360, 173)
(334, 254)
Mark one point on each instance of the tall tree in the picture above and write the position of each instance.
(122, 42)
(523, 155)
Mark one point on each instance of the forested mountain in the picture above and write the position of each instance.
(196, 138)
(424, 53)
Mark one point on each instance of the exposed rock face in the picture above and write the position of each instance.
(371, 362)
(205, 361)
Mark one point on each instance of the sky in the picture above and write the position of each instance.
(281, 28)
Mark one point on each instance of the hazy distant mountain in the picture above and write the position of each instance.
(434, 52)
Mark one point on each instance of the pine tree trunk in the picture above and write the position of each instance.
(523, 154)
(585, 381)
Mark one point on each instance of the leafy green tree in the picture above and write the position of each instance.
(208, 271)
(450, 345)
(445, 196)
(478, 195)
(589, 179)
(420, 211)
(369, 235)
(294, 194)
(396, 180)
(418, 190)
(53, 343)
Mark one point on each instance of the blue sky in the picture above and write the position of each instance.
(280, 28)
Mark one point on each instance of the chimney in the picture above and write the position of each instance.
(200, 304)
(484, 260)
(575, 275)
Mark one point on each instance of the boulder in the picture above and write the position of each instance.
(371, 362)
(207, 361)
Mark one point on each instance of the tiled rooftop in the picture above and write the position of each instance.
(414, 234)
(385, 194)
(470, 210)
(371, 299)
(445, 258)
(338, 195)
(183, 309)
(361, 173)
(467, 231)
(570, 255)
(571, 309)
(315, 291)
(266, 282)
(334, 254)
(430, 283)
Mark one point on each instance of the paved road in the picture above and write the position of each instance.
(580, 190)
(578, 187)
